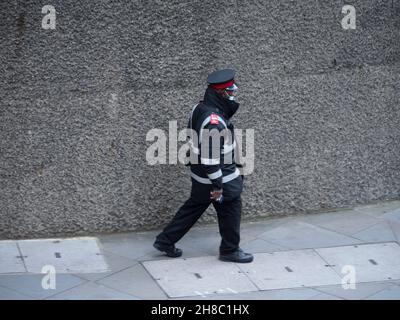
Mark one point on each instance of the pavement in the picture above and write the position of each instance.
(350, 253)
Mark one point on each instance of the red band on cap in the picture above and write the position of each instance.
(222, 85)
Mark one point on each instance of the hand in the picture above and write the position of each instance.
(215, 195)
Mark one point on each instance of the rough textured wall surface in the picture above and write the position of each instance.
(76, 104)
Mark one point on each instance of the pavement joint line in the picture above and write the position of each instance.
(21, 256)
(391, 229)
(331, 294)
(319, 291)
(257, 291)
(277, 244)
(296, 249)
(336, 246)
(284, 247)
(341, 233)
(109, 275)
(394, 233)
(372, 225)
(16, 291)
(131, 260)
(121, 256)
(62, 291)
(379, 291)
(249, 240)
(291, 248)
(263, 231)
(115, 289)
(383, 213)
(361, 240)
(187, 245)
(194, 248)
(328, 264)
(151, 277)
(315, 288)
(114, 273)
(268, 242)
(248, 277)
(392, 210)
(326, 229)
(44, 298)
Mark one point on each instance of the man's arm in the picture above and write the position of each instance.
(210, 153)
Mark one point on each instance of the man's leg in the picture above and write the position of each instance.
(184, 219)
(229, 215)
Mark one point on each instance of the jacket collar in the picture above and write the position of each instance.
(227, 107)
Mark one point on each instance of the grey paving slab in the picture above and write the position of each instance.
(7, 294)
(233, 296)
(194, 276)
(260, 245)
(129, 245)
(92, 291)
(325, 296)
(203, 230)
(396, 230)
(10, 258)
(372, 262)
(206, 242)
(299, 235)
(115, 264)
(208, 239)
(127, 278)
(143, 234)
(31, 285)
(361, 290)
(135, 281)
(381, 232)
(251, 230)
(135, 235)
(390, 293)
(72, 255)
(289, 269)
(344, 222)
(188, 252)
(393, 215)
(283, 294)
(378, 209)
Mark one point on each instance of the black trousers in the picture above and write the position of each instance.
(228, 213)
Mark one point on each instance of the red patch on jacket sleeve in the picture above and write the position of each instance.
(214, 119)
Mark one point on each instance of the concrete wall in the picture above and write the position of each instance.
(77, 102)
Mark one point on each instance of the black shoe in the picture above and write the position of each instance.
(171, 251)
(237, 256)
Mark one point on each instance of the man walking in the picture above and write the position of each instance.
(215, 176)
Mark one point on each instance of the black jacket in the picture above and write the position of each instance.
(212, 162)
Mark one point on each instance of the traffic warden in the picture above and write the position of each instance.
(214, 172)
